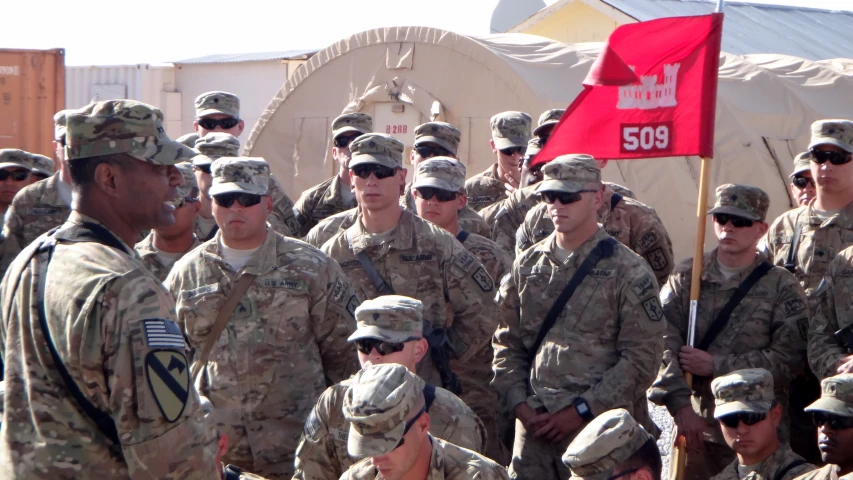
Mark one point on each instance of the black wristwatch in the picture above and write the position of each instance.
(583, 409)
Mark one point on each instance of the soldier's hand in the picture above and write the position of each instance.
(692, 426)
(524, 414)
(559, 425)
(698, 362)
(510, 184)
(845, 365)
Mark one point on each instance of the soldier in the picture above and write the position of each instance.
(41, 167)
(560, 364)
(389, 428)
(217, 112)
(833, 416)
(547, 121)
(166, 245)
(389, 249)
(749, 316)
(510, 134)
(745, 405)
(188, 139)
(802, 183)
(97, 380)
(831, 353)
(390, 330)
(614, 446)
(285, 339)
(14, 174)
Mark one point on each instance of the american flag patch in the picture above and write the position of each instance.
(161, 333)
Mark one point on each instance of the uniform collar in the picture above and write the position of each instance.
(79, 219)
(400, 238)
(711, 270)
(261, 262)
(580, 253)
(843, 218)
(604, 210)
(437, 461)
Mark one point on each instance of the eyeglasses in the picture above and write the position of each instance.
(427, 193)
(366, 345)
(409, 425)
(748, 418)
(835, 422)
(212, 123)
(835, 158)
(181, 201)
(513, 150)
(626, 472)
(428, 151)
(737, 222)
(381, 172)
(17, 175)
(246, 199)
(801, 182)
(203, 168)
(564, 197)
(345, 140)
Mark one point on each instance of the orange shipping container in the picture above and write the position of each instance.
(32, 89)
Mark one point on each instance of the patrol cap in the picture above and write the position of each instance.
(746, 390)
(188, 139)
(215, 145)
(569, 173)
(122, 126)
(391, 318)
(442, 134)
(510, 129)
(801, 163)
(534, 146)
(376, 148)
(190, 187)
(42, 164)
(441, 172)
(360, 123)
(833, 132)
(210, 103)
(609, 440)
(240, 175)
(548, 120)
(59, 124)
(741, 200)
(377, 403)
(14, 158)
(836, 396)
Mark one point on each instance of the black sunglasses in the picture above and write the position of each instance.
(427, 193)
(428, 151)
(748, 418)
(366, 345)
(626, 472)
(513, 150)
(203, 168)
(835, 158)
(17, 175)
(564, 197)
(181, 201)
(801, 182)
(737, 222)
(345, 140)
(245, 199)
(409, 425)
(211, 123)
(835, 422)
(381, 172)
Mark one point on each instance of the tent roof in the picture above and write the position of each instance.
(250, 57)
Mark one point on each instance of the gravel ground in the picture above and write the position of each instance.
(661, 417)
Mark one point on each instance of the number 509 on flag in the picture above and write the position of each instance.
(646, 137)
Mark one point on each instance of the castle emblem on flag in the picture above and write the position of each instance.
(649, 93)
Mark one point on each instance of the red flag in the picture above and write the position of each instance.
(651, 93)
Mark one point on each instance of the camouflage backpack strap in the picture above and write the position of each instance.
(791, 261)
(429, 396)
(381, 286)
(462, 235)
(614, 200)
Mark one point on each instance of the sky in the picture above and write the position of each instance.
(101, 32)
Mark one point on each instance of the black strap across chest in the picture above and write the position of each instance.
(462, 235)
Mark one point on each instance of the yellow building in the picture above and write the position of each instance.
(574, 21)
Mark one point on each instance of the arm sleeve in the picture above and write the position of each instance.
(824, 352)
(333, 321)
(315, 456)
(511, 364)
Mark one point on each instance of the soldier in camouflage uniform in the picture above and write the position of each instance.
(188, 139)
(390, 429)
(165, 246)
(385, 324)
(417, 259)
(802, 183)
(833, 416)
(827, 356)
(335, 194)
(605, 345)
(14, 174)
(510, 134)
(217, 112)
(41, 167)
(210, 147)
(763, 331)
(285, 341)
(108, 323)
(745, 406)
(530, 175)
(614, 446)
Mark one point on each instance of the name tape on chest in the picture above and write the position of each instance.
(415, 257)
(44, 211)
(161, 333)
(204, 290)
(282, 283)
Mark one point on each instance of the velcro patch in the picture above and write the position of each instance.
(352, 304)
(169, 381)
(657, 259)
(847, 272)
(340, 435)
(650, 238)
(40, 211)
(483, 280)
(349, 264)
(464, 261)
(313, 426)
(643, 287)
(338, 291)
(205, 290)
(416, 257)
(613, 233)
(600, 272)
(653, 309)
(162, 333)
(283, 283)
(482, 199)
(793, 306)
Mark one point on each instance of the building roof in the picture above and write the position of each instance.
(749, 28)
(251, 57)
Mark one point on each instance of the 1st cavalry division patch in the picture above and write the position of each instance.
(169, 380)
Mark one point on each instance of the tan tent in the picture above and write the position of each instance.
(408, 75)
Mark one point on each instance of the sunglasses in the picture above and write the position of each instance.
(737, 222)
(748, 418)
(17, 175)
(181, 201)
(513, 150)
(381, 172)
(835, 158)
(801, 182)
(835, 422)
(246, 199)
(344, 140)
(428, 151)
(564, 197)
(626, 472)
(366, 345)
(409, 425)
(203, 168)
(427, 193)
(212, 123)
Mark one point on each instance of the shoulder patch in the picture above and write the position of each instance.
(464, 261)
(169, 381)
(352, 304)
(483, 280)
(283, 283)
(643, 287)
(653, 309)
(415, 257)
(162, 333)
(793, 307)
(204, 290)
(40, 211)
(313, 426)
(650, 238)
(339, 290)
(657, 259)
(600, 272)
(349, 264)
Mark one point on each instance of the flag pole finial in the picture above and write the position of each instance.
(720, 6)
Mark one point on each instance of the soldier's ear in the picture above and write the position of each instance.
(762, 228)
(642, 474)
(421, 348)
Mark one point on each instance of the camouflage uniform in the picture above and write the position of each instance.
(834, 306)
(509, 129)
(216, 102)
(547, 121)
(605, 444)
(212, 146)
(103, 310)
(329, 227)
(827, 472)
(322, 452)
(188, 139)
(604, 348)
(377, 405)
(836, 398)
(284, 342)
(507, 215)
(42, 165)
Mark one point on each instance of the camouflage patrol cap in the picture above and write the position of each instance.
(746, 390)
(376, 148)
(741, 200)
(441, 172)
(215, 145)
(391, 318)
(59, 120)
(377, 403)
(442, 134)
(42, 164)
(122, 126)
(836, 396)
(240, 175)
(188, 139)
(360, 123)
(534, 146)
(801, 163)
(211, 103)
(569, 173)
(605, 443)
(190, 187)
(833, 132)
(510, 129)
(548, 120)
(14, 158)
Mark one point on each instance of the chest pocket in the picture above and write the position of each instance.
(198, 308)
(284, 308)
(748, 327)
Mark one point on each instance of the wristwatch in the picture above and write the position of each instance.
(583, 409)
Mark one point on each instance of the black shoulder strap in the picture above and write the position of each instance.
(792, 465)
(462, 235)
(429, 396)
(604, 249)
(791, 261)
(382, 287)
(212, 233)
(614, 200)
(723, 317)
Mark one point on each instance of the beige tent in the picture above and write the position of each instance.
(408, 75)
